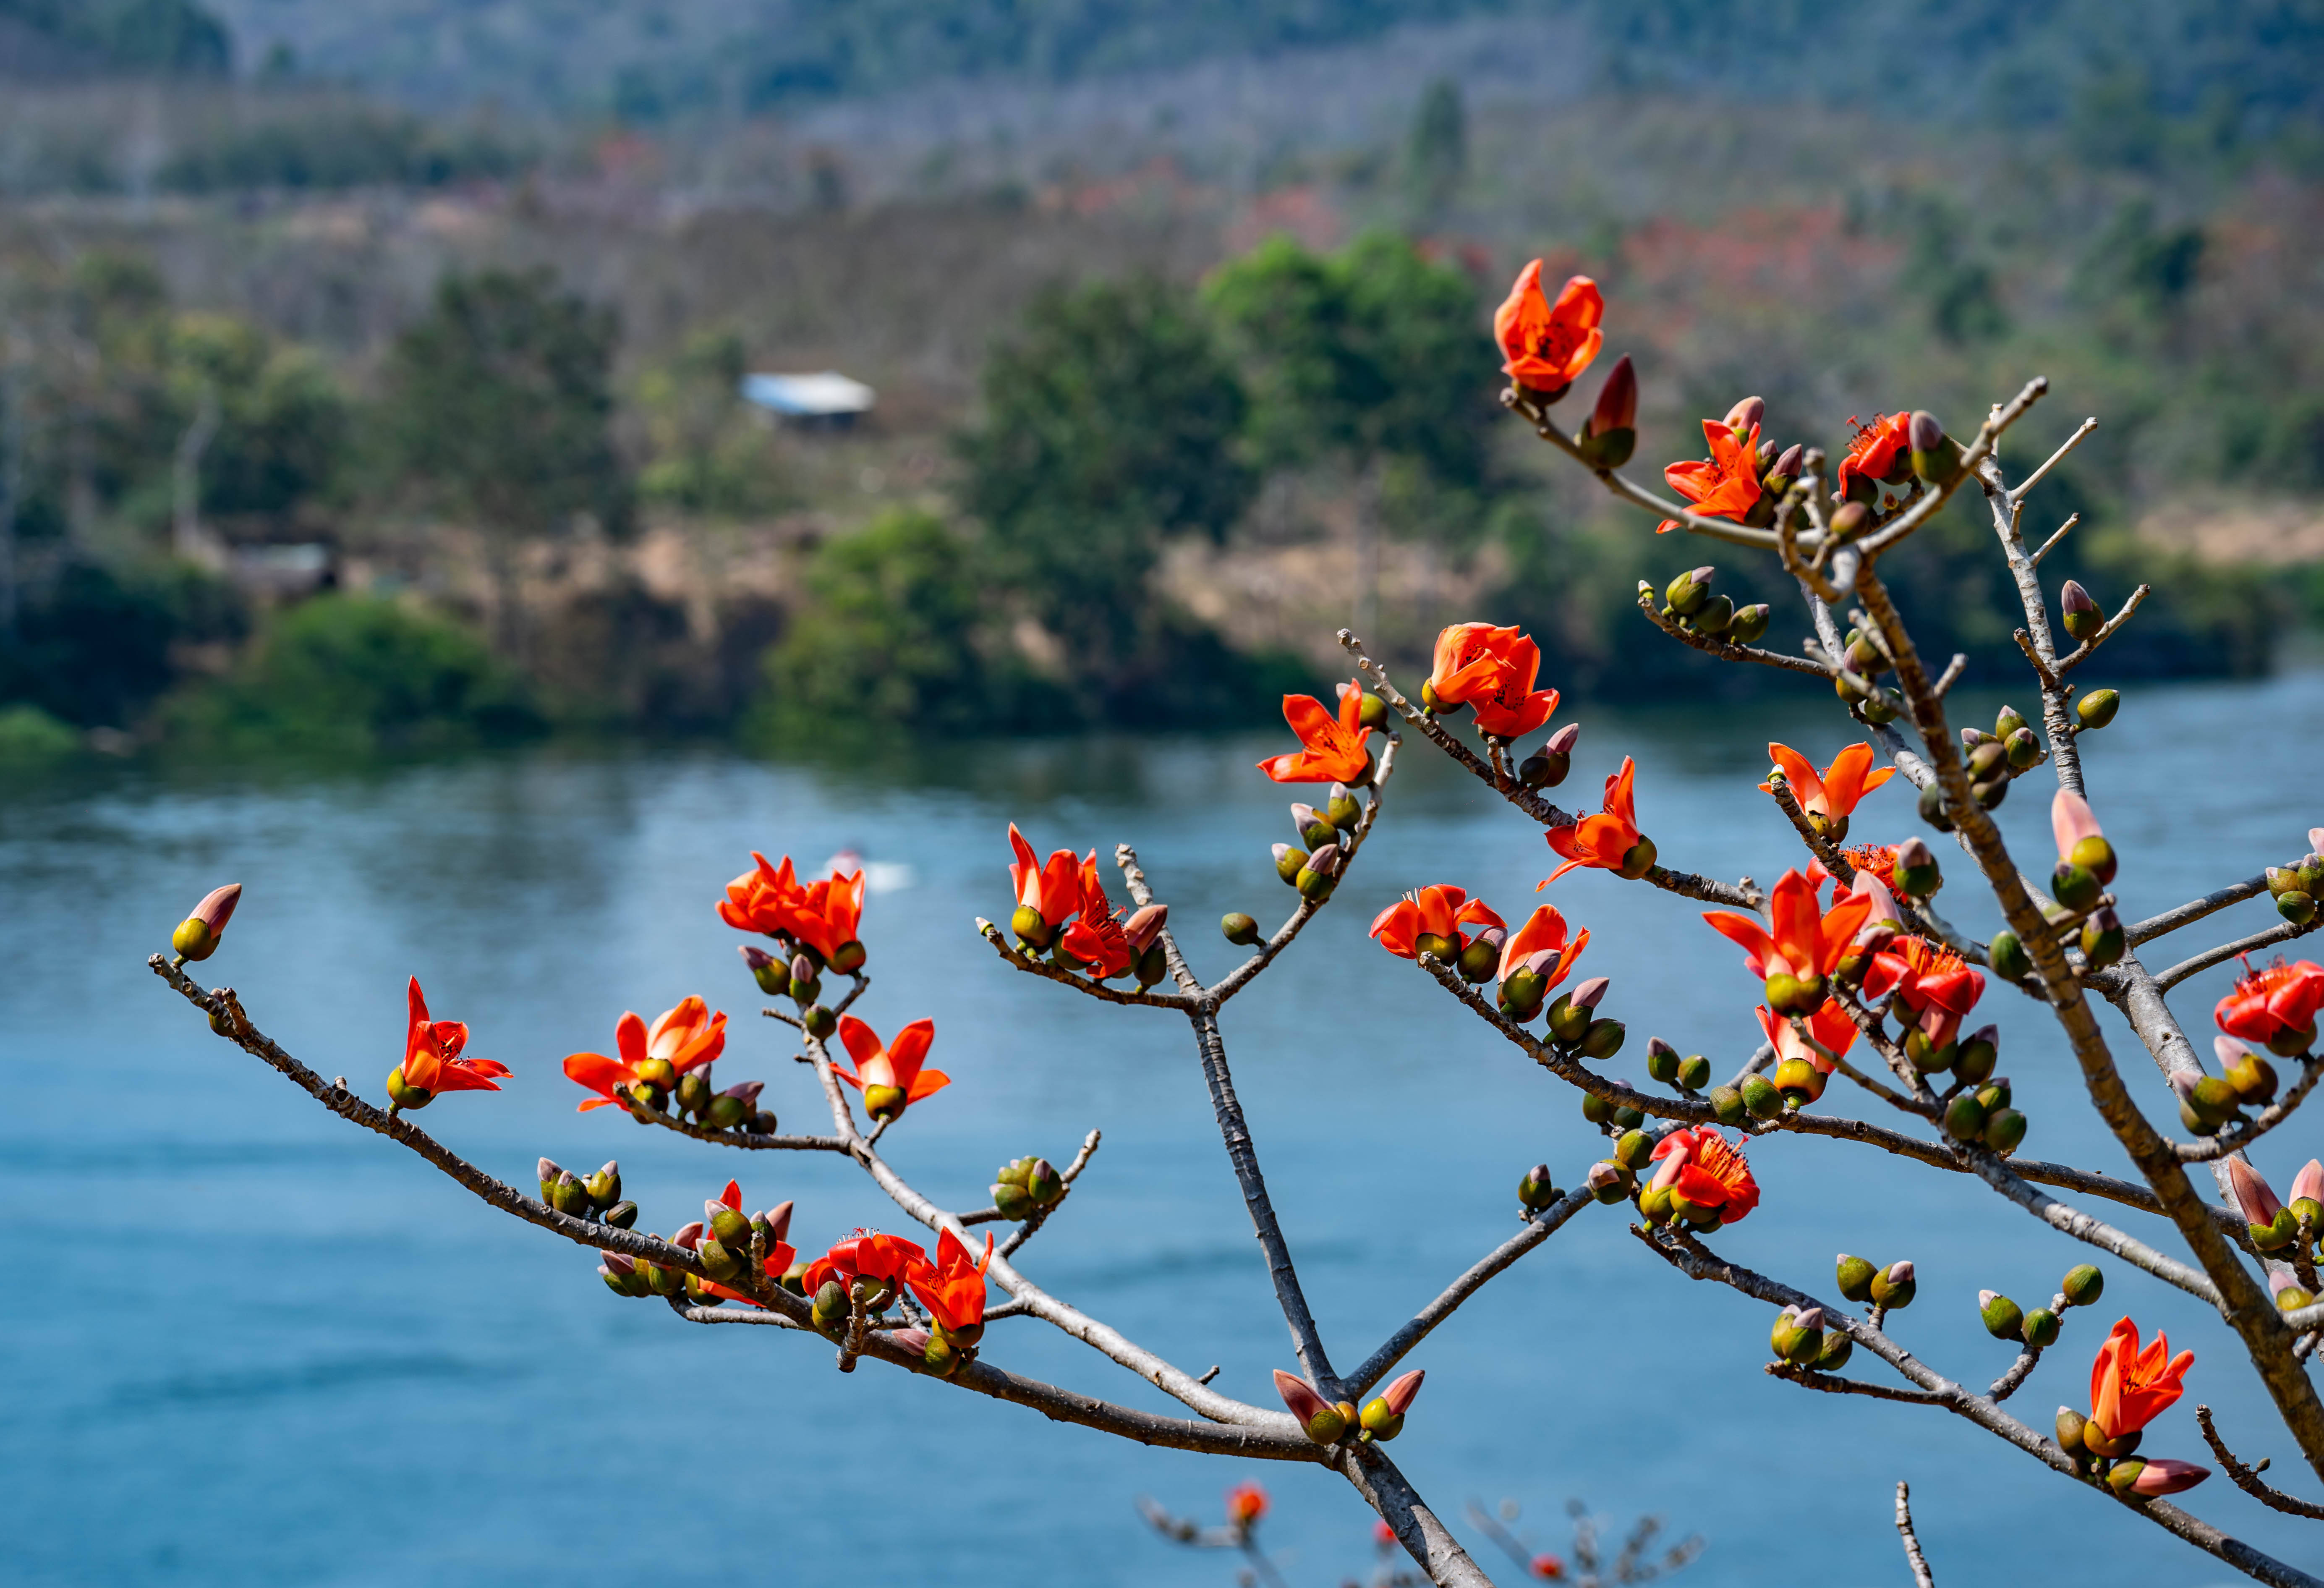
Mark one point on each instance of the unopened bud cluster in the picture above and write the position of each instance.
(1026, 1186)
(1328, 1423)
(1690, 602)
(2038, 1330)
(1328, 834)
(1863, 658)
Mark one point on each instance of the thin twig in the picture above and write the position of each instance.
(1922, 1578)
(2081, 653)
(2081, 433)
(2282, 932)
(2170, 920)
(2072, 520)
(2246, 1478)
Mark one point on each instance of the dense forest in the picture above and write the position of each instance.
(390, 396)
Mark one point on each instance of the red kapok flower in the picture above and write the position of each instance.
(760, 900)
(1333, 747)
(868, 1255)
(1800, 940)
(1878, 451)
(1097, 938)
(1439, 910)
(1545, 345)
(1934, 986)
(1726, 486)
(1603, 841)
(1700, 1166)
(1549, 1568)
(1540, 946)
(1879, 859)
(890, 1075)
(2129, 1389)
(431, 1057)
(1834, 792)
(1513, 707)
(826, 917)
(1051, 889)
(1466, 659)
(2276, 1003)
(1830, 1032)
(685, 1037)
(1246, 1503)
(953, 1287)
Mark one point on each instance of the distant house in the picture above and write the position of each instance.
(828, 401)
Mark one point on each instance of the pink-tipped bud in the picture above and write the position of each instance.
(1973, 737)
(1900, 1273)
(2163, 1475)
(1985, 1298)
(2308, 1184)
(2253, 1194)
(913, 1341)
(2229, 1050)
(1603, 1174)
(1493, 937)
(1788, 465)
(1586, 996)
(2072, 821)
(1809, 1317)
(549, 1169)
(1618, 400)
(1303, 816)
(197, 937)
(1539, 962)
(617, 1262)
(1562, 742)
(1280, 851)
(1299, 1395)
(802, 969)
(1399, 1394)
(1883, 903)
(2280, 1279)
(1325, 862)
(1928, 433)
(1144, 925)
(2316, 840)
(1745, 414)
(712, 1208)
(1914, 853)
(691, 1235)
(779, 1222)
(2182, 1082)
(2075, 601)
(758, 959)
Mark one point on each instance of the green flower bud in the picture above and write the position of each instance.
(2096, 855)
(1535, 1190)
(1928, 1058)
(1479, 962)
(2073, 887)
(2103, 942)
(1610, 1182)
(1688, 592)
(1627, 1118)
(1864, 658)
(2041, 1330)
(1602, 1039)
(2096, 708)
(1973, 1056)
(2008, 722)
(2022, 749)
(1936, 457)
(2312, 875)
(1727, 1106)
(1634, 1150)
(2071, 1424)
(1994, 1096)
(1152, 965)
(659, 1073)
(2008, 956)
(622, 1215)
(1379, 1422)
(2254, 1079)
(1014, 1202)
(1289, 863)
(1695, 1072)
(2004, 1130)
(1750, 623)
(2297, 907)
(1991, 794)
(882, 1103)
(1655, 1204)
(1714, 617)
(693, 1092)
(1855, 1277)
(2291, 1298)
(2083, 1285)
(1638, 861)
(2276, 1235)
(1595, 1108)
(1043, 1183)
(829, 1309)
(1798, 1082)
(1327, 1426)
(2003, 1318)
(1314, 885)
(722, 1264)
(604, 1186)
(1239, 928)
(731, 1227)
(1894, 1287)
(2079, 612)
(820, 1021)
(1783, 992)
(1761, 1097)
(1662, 1061)
(1319, 832)
(1965, 1118)
(2113, 1449)
(1568, 1022)
(1372, 711)
(1837, 1347)
(1797, 1336)
(2124, 1473)
(2292, 1044)
(773, 975)
(1932, 809)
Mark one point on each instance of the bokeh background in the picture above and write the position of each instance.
(383, 524)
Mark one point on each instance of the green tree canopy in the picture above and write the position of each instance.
(1373, 352)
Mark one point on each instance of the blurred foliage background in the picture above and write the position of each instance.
(370, 373)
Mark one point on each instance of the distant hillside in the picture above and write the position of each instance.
(43, 39)
(2240, 70)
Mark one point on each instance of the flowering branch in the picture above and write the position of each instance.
(1725, 649)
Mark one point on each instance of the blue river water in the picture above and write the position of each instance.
(254, 1345)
